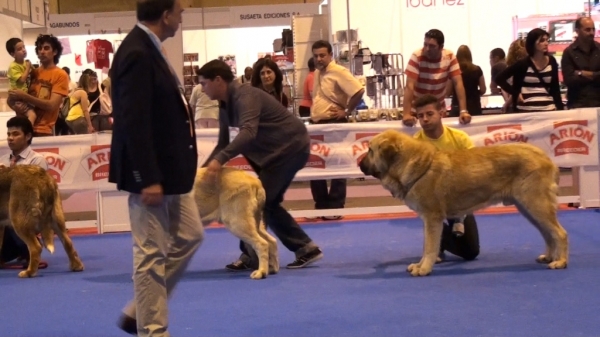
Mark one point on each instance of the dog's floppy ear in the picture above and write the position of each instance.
(389, 150)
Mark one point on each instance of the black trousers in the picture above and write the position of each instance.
(465, 246)
(335, 196)
(12, 246)
(304, 111)
(275, 181)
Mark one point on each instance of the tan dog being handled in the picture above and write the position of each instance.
(30, 202)
(237, 200)
(445, 184)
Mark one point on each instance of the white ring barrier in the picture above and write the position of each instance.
(570, 138)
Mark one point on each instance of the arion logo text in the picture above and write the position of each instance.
(57, 164)
(360, 147)
(501, 134)
(96, 164)
(319, 152)
(240, 163)
(571, 137)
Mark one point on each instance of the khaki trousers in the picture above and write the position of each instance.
(165, 238)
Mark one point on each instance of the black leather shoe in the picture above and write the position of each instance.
(238, 265)
(128, 324)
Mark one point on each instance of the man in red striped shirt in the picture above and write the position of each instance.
(428, 72)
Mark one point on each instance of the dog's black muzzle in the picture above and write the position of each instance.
(365, 167)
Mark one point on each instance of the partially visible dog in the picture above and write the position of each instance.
(444, 184)
(237, 200)
(30, 202)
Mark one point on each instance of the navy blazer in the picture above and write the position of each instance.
(153, 139)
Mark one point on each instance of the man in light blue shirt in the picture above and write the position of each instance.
(19, 135)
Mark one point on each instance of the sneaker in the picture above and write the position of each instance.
(238, 265)
(306, 259)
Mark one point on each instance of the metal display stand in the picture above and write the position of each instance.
(386, 87)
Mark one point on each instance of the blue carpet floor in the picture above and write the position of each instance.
(360, 288)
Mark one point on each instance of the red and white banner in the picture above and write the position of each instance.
(570, 138)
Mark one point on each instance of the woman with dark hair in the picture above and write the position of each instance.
(535, 84)
(306, 103)
(267, 76)
(473, 81)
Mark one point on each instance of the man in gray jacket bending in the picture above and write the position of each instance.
(275, 143)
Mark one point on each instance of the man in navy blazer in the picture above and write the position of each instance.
(154, 158)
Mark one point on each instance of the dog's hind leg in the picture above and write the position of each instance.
(243, 226)
(541, 212)
(273, 251)
(432, 232)
(26, 231)
(58, 220)
(25, 214)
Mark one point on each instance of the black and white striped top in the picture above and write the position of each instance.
(535, 93)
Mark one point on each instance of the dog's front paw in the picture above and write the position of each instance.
(412, 267)
(559, 264)
(26, 274)
(416, 269)
(76, 265)
(543, 259)
(258, 275)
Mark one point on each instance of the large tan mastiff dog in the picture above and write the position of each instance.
(30, 202)
(237, 200)
(444, 184)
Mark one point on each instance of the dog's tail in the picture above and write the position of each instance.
(41, 212)
(48, 238)
(58, 217)
(261, 199)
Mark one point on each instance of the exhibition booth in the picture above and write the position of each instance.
(392, 26)
(90, 38)
(237, 34)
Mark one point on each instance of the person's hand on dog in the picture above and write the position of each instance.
(464, 118)
(152, 195)
(212, 171)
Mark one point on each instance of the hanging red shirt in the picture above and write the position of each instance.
(102, 50)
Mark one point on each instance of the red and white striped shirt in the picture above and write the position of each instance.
(432, 75)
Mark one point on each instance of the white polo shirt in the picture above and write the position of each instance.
(27, 157)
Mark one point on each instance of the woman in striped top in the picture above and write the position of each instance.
(535, 84)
